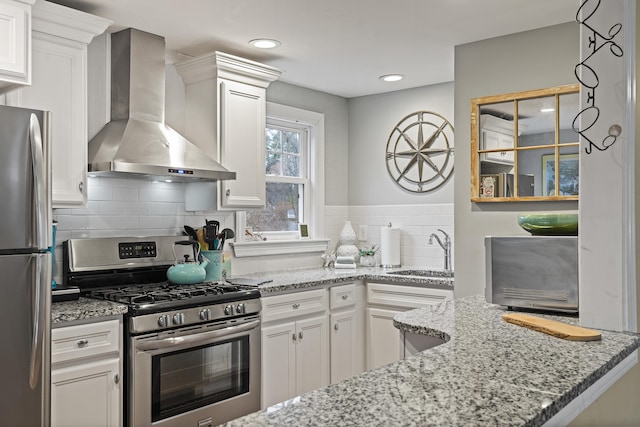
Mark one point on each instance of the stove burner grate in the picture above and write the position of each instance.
(162, 292)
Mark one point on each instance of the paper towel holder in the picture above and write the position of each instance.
(386, 244)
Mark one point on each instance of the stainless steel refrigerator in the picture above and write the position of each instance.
(25, 267)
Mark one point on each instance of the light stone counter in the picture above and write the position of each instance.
(281, 282)
(305, 279)
(489, 372)
(84, 309)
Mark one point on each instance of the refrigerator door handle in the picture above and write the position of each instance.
(37, 339)
(40, 189)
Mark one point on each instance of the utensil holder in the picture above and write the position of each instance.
(214, 268)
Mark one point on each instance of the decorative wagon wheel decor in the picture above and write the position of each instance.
(419, 152)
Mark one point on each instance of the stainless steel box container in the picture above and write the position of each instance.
(536, 272)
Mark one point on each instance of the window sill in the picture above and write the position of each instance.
(278, 247)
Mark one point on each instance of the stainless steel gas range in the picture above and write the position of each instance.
(192, 351)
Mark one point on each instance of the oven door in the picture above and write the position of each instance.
(198, 376)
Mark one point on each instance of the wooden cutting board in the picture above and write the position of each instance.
(552, 327)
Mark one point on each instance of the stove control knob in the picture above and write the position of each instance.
(178, 318)
(228, 310)
(240, 308)
(163, 321)
(205, 314)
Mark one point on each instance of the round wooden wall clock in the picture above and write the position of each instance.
(420, 152)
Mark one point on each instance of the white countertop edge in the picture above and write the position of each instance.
(580, 403)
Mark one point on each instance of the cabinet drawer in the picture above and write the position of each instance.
(342, 296)
(405, 296)
(293, 305)
(92, 339)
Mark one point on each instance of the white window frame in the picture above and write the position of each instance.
(304, 179)
(314, 193)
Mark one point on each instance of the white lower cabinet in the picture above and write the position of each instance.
(85, 375)
(347, 331)
(295, 345)
(385, 342)
(344, 361)
(313, 338)
(85, 395)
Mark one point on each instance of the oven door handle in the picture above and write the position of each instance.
(189, 339)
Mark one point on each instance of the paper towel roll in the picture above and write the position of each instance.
(390, 247)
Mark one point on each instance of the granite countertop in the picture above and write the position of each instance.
(294, 280)
(83, 309)
(489, 372)
(280, 282)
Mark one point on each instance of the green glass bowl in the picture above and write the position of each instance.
(549, 224)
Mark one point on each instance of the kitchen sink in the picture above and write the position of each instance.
(423, 273)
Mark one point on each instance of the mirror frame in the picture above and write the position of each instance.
(477, 103)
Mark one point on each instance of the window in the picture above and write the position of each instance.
(286, 168)
(294, 168)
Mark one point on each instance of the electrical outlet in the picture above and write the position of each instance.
(362, 232)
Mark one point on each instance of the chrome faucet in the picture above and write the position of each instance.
(445, 245)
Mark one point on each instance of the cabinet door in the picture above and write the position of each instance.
(86, 395)
(384, 341)
(15, 41)
(312, 354)
(278, 363)
(59, 86)
(242, 144)
(492, 140)
(344, 342)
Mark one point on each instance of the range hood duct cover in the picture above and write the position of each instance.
(137, 141)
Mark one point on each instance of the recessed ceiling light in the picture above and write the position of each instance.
(547, 110)
(392, 77)
(264, 43)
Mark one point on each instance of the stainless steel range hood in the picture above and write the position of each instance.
(137, 141)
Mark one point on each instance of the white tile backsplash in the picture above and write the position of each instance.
(416, 223)
(131, 207)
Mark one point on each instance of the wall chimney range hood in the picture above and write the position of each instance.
(137, 141)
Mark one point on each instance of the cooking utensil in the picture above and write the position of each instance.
(225, 234)
(191, 232)
(211, 233)
(203, 245)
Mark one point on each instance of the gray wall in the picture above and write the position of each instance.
(371, 120)
(336, 122)
(356, 133)
(518, 62)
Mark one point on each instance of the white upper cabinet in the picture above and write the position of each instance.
(59, 84)
(15, 43)
(226, 117)
(496, 134)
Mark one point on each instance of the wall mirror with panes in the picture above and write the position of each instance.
(524, 146)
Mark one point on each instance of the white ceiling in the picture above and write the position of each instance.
(335, 46)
